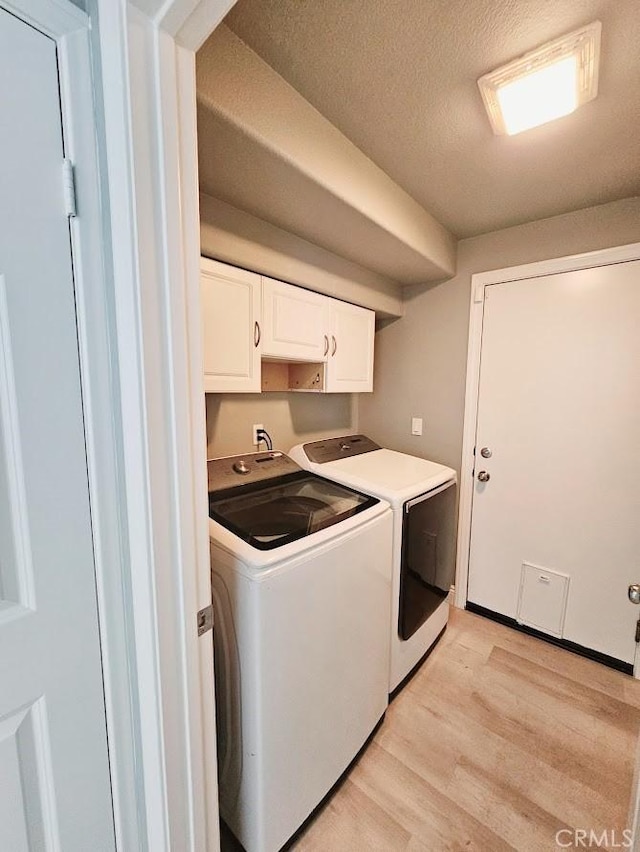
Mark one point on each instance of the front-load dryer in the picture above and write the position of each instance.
(422, 495)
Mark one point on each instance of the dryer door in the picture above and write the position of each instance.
(428, 556)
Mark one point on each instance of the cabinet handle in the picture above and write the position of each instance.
(335, 346)
(326, 345)
(256, 333)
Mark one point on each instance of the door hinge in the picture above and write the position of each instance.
(205, 620)
(69, 188)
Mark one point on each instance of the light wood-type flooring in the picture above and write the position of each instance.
(498, 742)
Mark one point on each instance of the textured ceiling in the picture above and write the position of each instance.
(266, 150)
(399, 80)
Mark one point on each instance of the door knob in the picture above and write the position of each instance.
(483, 476)
(634, 593)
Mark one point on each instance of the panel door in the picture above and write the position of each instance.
(350, 364)
(54, 773)
(295, 322)
(555, 529)
(232, 330)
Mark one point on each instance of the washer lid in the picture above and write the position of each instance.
(277, 511)
(386, 473)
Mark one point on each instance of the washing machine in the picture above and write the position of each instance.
(422, 495)
(301, 579)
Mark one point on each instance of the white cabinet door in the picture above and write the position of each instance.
(295, 322)
(350, 361)
(55, 790)
(231, 328)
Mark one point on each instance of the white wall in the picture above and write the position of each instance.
(289, 418)
(421, 358)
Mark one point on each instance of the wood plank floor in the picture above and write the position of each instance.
(498, 742)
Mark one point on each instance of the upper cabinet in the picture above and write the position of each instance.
(350, 361)
(231, 313)
(295, 322)
(262, 334)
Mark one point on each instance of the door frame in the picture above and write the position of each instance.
(145, 80)
(70, 28)
(479, 283)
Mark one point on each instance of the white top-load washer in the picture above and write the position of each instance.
(301, 578)
(422, 495)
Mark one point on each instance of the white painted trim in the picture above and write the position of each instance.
(196, 426)
(150, 116)
(191, 22)
(479, 282)
(55, 18)
(70, 28)
(570, 263)
(476, 314)
(102, 429)
(633, 819)
(121, 188)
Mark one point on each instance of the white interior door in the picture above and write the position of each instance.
(555, 538)
(54, 774)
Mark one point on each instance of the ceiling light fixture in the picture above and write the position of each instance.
(545, 84)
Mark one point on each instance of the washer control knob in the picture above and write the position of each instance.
(241, 467)
(345, 446)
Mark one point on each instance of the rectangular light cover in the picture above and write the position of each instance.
(545, 84)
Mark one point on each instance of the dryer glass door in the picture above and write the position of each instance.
(428, 556)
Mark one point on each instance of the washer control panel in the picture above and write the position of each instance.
(247, 469)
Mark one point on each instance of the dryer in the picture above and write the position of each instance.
(301, 578)
(422, 495)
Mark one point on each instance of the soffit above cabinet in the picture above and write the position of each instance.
(264, 149)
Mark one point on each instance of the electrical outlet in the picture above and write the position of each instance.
(254, 433)
(416, 425)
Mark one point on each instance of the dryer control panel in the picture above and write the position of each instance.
(332, 449)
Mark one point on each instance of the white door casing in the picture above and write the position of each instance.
(147, 83)
(53, 741)
(606, 390)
